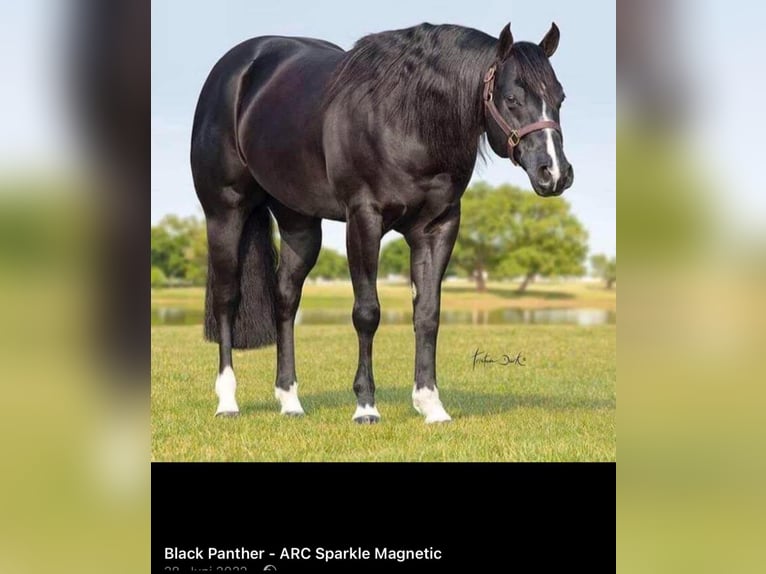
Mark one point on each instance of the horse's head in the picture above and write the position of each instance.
(522, 101)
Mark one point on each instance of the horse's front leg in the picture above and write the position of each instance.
(431, 247)
(363, 234)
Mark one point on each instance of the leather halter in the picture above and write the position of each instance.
(514, 135)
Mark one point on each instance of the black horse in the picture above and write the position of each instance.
(384, 136)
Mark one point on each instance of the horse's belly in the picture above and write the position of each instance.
(301, 188)
(308, 200)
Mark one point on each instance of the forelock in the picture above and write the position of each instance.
(534, 71)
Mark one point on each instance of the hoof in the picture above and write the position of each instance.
(367, 420)
(442, 417)
(227, 414)
(366, 415)
(293, 414)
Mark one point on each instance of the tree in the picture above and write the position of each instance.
(512, 233)
(551, 241)
(395, 258)
(167, 250)
(487, 227)
(330, 265)
(179, 248)
(195, 253)
(605, 268)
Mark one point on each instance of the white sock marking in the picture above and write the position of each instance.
(427, 403)
(225, 389)
(551, 149)
(289, 400)
(364, 411)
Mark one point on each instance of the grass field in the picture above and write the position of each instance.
(559, 407)
(455, 296)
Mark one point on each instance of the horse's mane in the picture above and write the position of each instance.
(426, 77)
(429, 78)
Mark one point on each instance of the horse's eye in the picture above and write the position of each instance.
(511, 100)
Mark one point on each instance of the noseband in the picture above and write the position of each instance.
(514, 135)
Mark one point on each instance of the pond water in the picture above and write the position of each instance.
(179, 316)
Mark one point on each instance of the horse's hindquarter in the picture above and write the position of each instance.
(279, 123)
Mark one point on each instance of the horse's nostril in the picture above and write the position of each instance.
(544, 175)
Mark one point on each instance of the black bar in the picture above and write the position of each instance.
(475, 515)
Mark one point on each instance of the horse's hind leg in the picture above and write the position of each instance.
(301, 239)
(224, 230)
(240, 299)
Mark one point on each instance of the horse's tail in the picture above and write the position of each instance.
(255, 316)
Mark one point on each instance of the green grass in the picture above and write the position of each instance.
(560, 407)
(455, 296)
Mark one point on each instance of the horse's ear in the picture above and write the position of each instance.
(551, 40)
(505, 44)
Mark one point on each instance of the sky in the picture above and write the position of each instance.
(189, 36)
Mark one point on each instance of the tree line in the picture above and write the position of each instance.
(505, 233)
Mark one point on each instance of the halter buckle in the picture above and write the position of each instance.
(514, 138)
(489, 75)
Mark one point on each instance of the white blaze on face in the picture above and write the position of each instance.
(550, 147)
